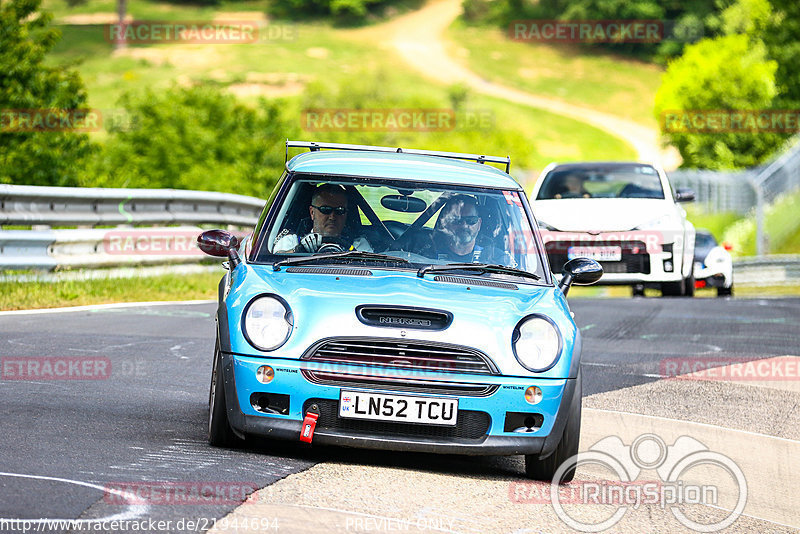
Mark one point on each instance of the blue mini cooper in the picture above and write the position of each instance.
(397, 299)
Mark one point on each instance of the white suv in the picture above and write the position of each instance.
(623, 214)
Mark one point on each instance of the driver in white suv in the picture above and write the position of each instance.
(328, 211)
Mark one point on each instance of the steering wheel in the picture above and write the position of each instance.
(328, 248)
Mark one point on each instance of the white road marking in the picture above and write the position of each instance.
(134, 510)
(106, 306)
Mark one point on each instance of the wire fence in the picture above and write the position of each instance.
(739, 191)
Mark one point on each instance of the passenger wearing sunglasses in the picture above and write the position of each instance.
(457, 229)
(328, 211)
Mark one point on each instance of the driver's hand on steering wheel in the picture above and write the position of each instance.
(311, 242)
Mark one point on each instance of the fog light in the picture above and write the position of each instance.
(533, 395)
(668, 266)
(265, 374)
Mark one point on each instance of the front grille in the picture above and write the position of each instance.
(395, 354)
(635, 258)
(398, 383)
(471, 425)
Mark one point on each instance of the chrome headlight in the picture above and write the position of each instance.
(267, 322)
(536, 343)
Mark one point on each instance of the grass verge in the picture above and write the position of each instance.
(34, 295)
(352, 72)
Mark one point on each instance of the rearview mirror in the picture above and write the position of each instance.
(579, 271)
(403, 203)
(684, 194)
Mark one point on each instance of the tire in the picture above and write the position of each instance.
(672, 289)
(220, 433)
(567, 448)
(688, 286)
(725, 291)
(638, 290)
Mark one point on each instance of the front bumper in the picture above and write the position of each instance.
(558, 400)
(643, 262)
(713, 277)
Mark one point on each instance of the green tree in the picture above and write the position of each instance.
(781, 35)
(730, 72)
(26, 83)
(197, 138)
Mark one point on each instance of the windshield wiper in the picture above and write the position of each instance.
(483, 267)
(350, 254)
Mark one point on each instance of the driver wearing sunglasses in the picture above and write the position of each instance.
(328, 211)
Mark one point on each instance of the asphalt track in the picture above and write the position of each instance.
(63, 441)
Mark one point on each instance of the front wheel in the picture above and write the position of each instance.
(567, 448)
(672, 289)
(725, 291)
(220, 433)
(688, 286)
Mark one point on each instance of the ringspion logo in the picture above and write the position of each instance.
(678, 484)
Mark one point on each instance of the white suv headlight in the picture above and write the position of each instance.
(536, 343)
(267, 322)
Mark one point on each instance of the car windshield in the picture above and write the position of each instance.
(703, 244)
(405, 225)
(603, 181)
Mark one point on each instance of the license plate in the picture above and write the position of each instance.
(595, 253)
(398, 408)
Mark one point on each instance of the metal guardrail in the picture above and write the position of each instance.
(89, 206)
(777, 270)
(44, 248)
(47, 249)
(741, 191)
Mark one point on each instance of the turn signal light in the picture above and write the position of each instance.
(265, 374)
(533, 395)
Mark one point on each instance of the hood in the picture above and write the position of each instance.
(324, 306)
(601, 214)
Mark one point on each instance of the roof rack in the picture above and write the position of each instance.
(314, 147)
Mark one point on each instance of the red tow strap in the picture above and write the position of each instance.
(309, 424)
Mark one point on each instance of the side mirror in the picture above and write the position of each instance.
(220, 244)
(579, 271)
(684, 194)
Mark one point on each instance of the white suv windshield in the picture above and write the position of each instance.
(601, 181)
(419, 222)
